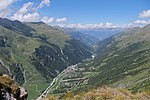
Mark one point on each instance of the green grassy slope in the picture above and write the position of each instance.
(21, 46)
(125, 61)
(15, 55)
(51, 34)
(127, 66)
(122, 61)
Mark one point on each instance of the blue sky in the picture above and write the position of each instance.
(96, 11)
(76, 12)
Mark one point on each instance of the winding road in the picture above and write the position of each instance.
(5, 66)
(47, 90)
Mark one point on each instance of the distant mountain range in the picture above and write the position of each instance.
(91, 36)
(85, 38)
(100, 33)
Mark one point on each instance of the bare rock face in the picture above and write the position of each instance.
(10, 90)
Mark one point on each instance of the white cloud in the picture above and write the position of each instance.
(129, 25)
(52, 20)
(25, 8)
(5, 3)
(4, 13)
(26, 13)
(61, 20)
(29, 14)
(145, 14)
(89, 26)
(142, 22)
(47, 20)
(4, 10)
(44, 2)
(109, 24)
(29, 17)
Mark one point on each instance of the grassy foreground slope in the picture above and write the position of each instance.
(102, 93)
(106, 93)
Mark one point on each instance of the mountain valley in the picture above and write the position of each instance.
(121, 61)
(47, 61)
(34, 53)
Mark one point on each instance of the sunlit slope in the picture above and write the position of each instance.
(14, 55)
(122, 61)
(20, 53)
(49, 33)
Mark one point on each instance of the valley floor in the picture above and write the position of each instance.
(56, 81)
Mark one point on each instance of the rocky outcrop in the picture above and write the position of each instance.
(10, 90)
(3, 41)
